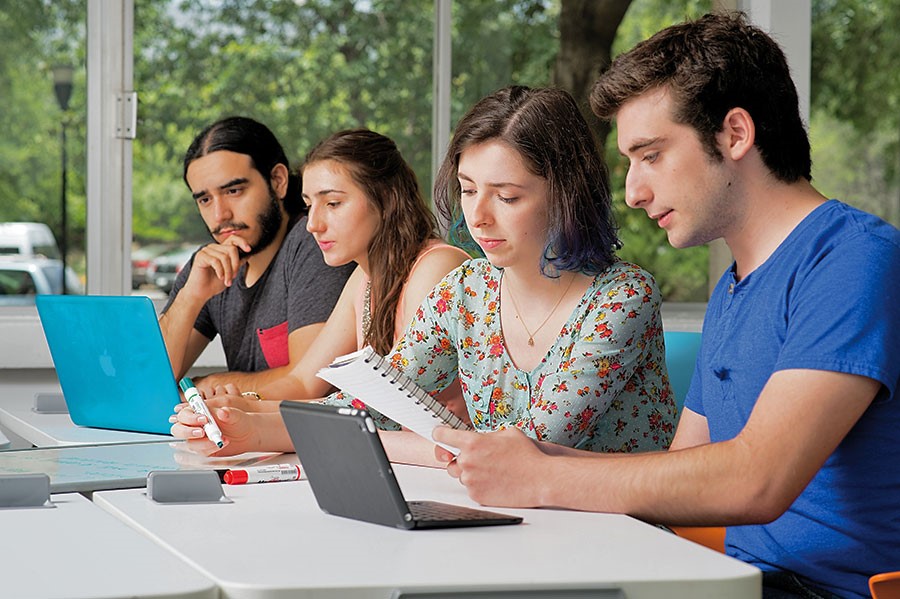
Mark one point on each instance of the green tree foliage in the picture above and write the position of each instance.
(312, 68)
(305, 69)
(309, 68)
(498, 43)
(35, 35)
(855, 48)
(682, 274)
(855, 124)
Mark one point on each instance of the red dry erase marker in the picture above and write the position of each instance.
(263, 474)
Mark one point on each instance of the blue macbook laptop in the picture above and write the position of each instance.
(111, 361)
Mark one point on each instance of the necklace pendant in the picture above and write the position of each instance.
(531, 341)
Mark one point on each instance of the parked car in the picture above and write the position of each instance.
(140, 261)
(31, 262)
(28, 239)
(163, 269)
(22, 277)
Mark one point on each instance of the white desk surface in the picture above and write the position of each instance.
(86, 468)
(77, 550)
(50, 430)
(273, 542)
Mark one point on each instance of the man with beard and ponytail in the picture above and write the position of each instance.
(262, 283)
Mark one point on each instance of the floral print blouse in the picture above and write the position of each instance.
(602, 386)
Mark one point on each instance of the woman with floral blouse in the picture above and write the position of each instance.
(550, 333)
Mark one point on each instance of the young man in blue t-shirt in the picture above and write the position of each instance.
(789, 432)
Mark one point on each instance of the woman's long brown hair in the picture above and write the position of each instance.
(378, 168)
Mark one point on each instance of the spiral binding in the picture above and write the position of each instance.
(413, 391)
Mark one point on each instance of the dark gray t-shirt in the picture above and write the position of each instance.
(297, 289)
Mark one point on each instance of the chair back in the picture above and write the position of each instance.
(885, 586)
(681, 355)
(708, 536)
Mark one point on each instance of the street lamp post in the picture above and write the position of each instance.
(62, 85)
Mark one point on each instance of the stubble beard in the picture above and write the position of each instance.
(269, 222)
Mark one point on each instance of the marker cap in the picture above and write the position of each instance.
(235, 477)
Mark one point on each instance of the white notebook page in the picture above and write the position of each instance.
(369, 377)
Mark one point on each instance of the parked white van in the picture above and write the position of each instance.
(28, 239)
(30, 262)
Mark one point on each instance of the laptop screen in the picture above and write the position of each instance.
(111, 361)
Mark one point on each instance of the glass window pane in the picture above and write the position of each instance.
(42, 149)
(855, 94)
(304, 69)
(499, 43)
(503, 42)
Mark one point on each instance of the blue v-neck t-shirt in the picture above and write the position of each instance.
(827, 299)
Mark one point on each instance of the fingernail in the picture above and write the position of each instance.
(197, 432)
(173, 419)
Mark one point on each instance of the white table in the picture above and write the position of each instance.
(88, 468)
(273, 542)
(50, 430)
(76, 550)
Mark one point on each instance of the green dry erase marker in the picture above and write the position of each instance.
(199, 406)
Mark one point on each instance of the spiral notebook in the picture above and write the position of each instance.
(374, 380)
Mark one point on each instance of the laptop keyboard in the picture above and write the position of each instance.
(432, 511)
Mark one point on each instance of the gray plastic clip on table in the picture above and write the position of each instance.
(273, 542)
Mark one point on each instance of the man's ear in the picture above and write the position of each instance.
(279, 180)
(738, 133)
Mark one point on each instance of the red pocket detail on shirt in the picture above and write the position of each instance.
(274, 344)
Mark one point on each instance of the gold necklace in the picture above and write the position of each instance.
(540, 326)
